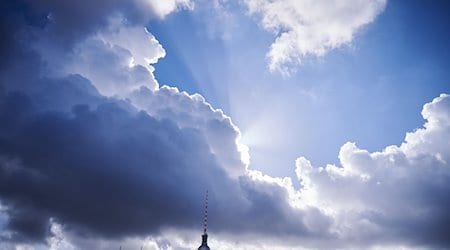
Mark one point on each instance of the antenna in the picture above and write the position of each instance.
(205, 218)
(204, 245)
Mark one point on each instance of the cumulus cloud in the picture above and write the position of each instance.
(89, 142)
(397, 195)
(93, 156)
(192, 111)
(118, 59)
(304, 28)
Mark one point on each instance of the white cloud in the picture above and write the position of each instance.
(396, 195)
(58, 239)
(306, 27)
(163, 8)
(192, 111)
(118, 59)
(114, 50)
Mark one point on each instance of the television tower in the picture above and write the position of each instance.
(204, 245)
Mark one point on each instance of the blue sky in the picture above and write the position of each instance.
(370, 91)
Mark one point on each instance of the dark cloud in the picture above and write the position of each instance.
(112, 172)
(101, 167)
(107, 170)
(66, 22)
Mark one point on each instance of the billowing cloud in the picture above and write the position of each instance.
(194, 112)
(117, 60)
(91, 146)
(311, 28)
(394, 196)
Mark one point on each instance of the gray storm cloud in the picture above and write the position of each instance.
(90, 141)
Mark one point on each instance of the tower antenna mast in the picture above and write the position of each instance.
(204, 245)
(205, 216)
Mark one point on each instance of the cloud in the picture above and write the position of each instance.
(110, 172)
(192, 111)
(91, 143)
(94, 153)
(106, 155)
(118, 59)
(310, 28)
(163, 8)
(73, 20)
(393, 196)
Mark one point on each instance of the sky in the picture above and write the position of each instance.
(312, 124)
(379, 81)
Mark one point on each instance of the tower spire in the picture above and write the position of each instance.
(205, 216)
(204, 245)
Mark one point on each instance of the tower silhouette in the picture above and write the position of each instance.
(204, 245)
